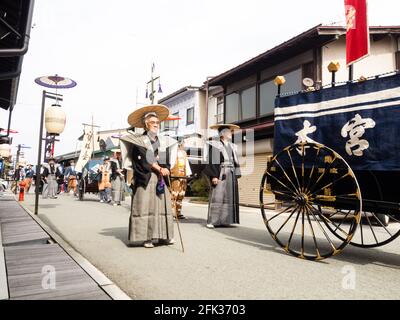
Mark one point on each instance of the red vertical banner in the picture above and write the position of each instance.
(357, 35)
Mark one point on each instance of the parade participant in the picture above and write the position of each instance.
(223, 170)
(50, 175)
(178, 186)
(29, 173)
(150, 156)
(19, 175)
(117, 179)
(70, 176)
(104, 180)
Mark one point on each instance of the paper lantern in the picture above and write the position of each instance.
(5, 150)
(55, 119)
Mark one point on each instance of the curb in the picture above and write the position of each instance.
(104, 283)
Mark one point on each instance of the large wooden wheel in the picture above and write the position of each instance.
(375, 229)
(301, 189)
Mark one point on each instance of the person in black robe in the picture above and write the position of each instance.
(149, 156)
(223, 170)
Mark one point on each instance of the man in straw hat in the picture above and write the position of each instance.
(223, 170)
(150, 156)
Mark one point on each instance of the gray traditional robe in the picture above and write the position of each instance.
(151, 214)
(50, 188)
(223, 208)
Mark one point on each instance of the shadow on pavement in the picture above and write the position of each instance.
(350, 254)
(48, 206)
(262, 240)
(118, 233)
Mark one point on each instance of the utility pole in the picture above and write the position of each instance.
(151, 95)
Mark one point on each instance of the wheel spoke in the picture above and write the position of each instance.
(302, 167)
(286, 175)
(361, 230)
(312, 169)
(281, 183)
(331, 183)
(323, 173)
(286, 210)
(380, 222)
(323, 230)
(391, 217)
(292, 213)
(293, 229)
(329, 221)
(312, 231)
(372, 229)
(302, 231)
(283, 193)
(342, 219)
(293, 168)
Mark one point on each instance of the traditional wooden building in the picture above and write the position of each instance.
(245, 95)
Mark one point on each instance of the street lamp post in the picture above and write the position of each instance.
(57, 97)
(52, 118)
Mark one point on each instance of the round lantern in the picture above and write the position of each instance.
(5, 150)
(55, 119)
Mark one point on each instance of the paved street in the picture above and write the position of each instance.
(242, 262)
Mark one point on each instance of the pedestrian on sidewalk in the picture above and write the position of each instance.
(150, 156)
(19, 175)
(117, 179)
(50, 175)
(223, 171)
(104, 180)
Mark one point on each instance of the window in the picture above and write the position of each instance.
(293, 81)
(220, 110)
(268, 90)
(248, 103)
(170, 124)
(240, 105)
(190, 116)
(232, 107)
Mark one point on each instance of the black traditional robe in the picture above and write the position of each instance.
(223, 164)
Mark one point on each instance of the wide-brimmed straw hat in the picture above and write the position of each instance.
(220, 126)
(135, 119)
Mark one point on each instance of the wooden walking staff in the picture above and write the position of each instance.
(176, 217)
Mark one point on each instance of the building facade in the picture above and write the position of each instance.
(245, 95)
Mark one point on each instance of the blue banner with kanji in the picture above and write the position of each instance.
(360, 121)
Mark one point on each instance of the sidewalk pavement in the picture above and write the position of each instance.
(35, 266)
(240, 262)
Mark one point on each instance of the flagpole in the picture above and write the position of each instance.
(351, 72)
